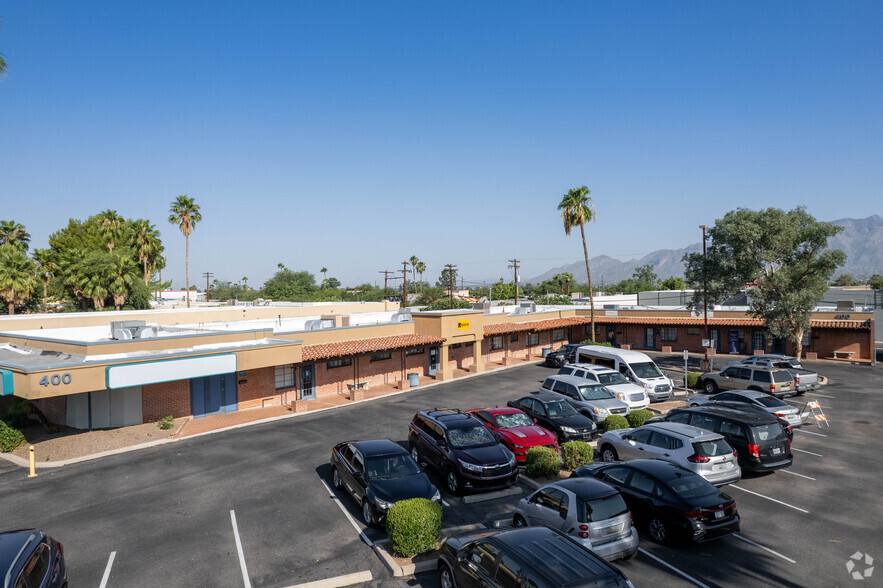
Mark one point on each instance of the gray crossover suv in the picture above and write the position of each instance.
(700, 451)
(593, 400)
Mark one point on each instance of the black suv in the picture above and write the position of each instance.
(534, 556)
(32, 558)
(462, 449)
(563, 355)
(760, 439)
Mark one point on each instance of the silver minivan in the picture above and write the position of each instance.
(592, 400)
(588, 510)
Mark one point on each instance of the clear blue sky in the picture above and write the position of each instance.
(354, 134)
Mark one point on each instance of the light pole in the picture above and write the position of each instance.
(705, 297)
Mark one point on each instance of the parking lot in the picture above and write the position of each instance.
(253, 506)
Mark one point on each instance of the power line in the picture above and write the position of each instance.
(207, 276)
(514, 266)
(451, 269)
(404, 271)
(385, 278)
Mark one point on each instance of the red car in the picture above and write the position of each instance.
(517, 431)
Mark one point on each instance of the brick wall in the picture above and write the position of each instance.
(168, 398)
(259, 389)
(54, 409)
(330, 382)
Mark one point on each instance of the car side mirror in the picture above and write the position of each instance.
(358, 475)
(488, 425)
(461, 556)
(534, 420)
(563, 513)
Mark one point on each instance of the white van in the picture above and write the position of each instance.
(637, 367)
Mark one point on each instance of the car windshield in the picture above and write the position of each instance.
(689, 485)
(563, 349)
(646, 370)
(596, 392)
(772, 402)
(606, 507)
(510, 421)
(390, 466)
(470, 437)
(612, 378)
(770, 432)
(559, 409)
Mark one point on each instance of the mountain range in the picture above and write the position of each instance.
(861, 239)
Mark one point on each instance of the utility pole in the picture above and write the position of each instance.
(514, 266)
(705, 367)
(404, 271)
(451, 281)
(385, 277)
(207, 276)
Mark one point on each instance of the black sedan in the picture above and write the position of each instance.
(555, 414)
(562, 356)
(32, 558)
(668, 501)
(377, 474)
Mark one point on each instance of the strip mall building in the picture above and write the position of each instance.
(113, 369)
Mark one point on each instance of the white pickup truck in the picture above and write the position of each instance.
(804, 380)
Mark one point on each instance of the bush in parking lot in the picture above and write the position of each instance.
(693, 379)
(614, 422)
(542, 462)
(575, 454)
(166, 422)
(636, 418)
(10, 437)
(413, 526)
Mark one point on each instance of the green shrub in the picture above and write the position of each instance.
(575, 454)
(17, 415)
(10, 437)
(413, 526)
(166, 422)
(614, 422)
(693, 379)
(542, 462)
(636, 418)
(601, 343)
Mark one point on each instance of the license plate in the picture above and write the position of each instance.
(776, 450)
(719, 514)
(721, 466)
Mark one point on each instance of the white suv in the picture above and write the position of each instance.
(633, 395)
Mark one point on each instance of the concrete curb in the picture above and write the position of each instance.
(421, 566)
(473, 498)
(57, 464)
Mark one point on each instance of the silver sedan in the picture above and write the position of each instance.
(761, 400)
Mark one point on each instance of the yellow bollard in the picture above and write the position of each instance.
(33, 473)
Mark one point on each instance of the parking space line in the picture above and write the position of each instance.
(768, 498)
(810, 433)
(347, 514)
(674, 569)
(746, 540)
(802, 404)
(445, 503)
(339, 581)
(796, 474)
(805, 451)
(106, 575)
(244, 569)
(822, 395)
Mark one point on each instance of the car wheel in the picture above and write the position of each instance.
(453, 481)
(659, 531)
(446, 576)
(414, 453)
(518, 521)
(335, 478)
(710, 387)
(367, 513)
(608, 454)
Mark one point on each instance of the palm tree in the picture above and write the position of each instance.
(46, 268)
(324, 272)
(420, 267)
(2, 67)
(414, 261)
(150, 248)
(185, 213)
(245, 281)
(110, 227)
(568, 278)
(123, 274)
(18, 276)
(13, 233)
(577, 208)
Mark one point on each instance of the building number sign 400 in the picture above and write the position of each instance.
(55, 379)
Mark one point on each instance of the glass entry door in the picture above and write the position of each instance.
(308, 382)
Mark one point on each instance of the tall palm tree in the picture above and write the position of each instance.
(13, 233)
(123, 274)
(110, 227)
(18, 276)
(324, 272)
(46, 268)
(420, 267)
(414, 261)
(577, 208)
(245, 281)
(185, 213)
(2, 67)
(146, 241)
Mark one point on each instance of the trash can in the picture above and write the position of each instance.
(414, 380)
(546, 351)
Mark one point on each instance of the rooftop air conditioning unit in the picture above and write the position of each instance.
(122, 334)
(318, 324)
(846, 305)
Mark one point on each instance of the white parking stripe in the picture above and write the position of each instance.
(810, 433)
(740, 537)
(445, 502)
(245, 579)
(796, 474)
(106, 575)
(802, 404)
(805, 451)
(347, 514)
(767, 497)
(674, 569)
(822, 395)
(339, 581)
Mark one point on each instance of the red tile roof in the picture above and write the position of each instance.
(501, 328)
(358, 346)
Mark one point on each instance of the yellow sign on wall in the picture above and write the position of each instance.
(462, 325)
